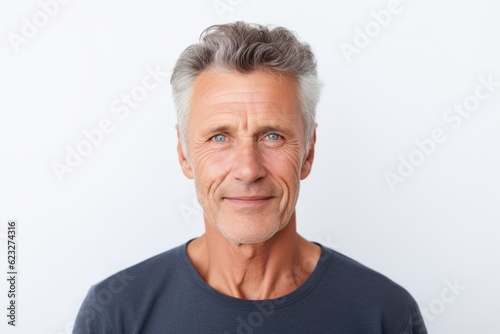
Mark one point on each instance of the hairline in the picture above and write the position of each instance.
(183, 117)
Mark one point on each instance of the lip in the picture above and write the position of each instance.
(248, 200)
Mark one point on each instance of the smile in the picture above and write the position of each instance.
(248, 200)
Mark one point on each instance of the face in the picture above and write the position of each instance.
(246, 152)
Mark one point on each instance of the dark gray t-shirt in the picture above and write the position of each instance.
(165, 294)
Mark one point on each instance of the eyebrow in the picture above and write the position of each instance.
(219, 128)
(270, 128)
(227, 128)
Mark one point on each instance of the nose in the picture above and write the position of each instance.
(247, 163)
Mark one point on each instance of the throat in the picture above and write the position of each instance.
(252, 285)
(254, 275)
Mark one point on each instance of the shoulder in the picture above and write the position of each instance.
(151, 272)
(348, 272)
(369, 293)
(125, 292)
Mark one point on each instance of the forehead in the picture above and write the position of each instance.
(219, 92)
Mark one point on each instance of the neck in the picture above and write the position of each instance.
(270, 269)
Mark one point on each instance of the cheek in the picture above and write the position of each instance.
(210, 169)
(284, 168)
(285, 163)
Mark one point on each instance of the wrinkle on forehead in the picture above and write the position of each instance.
(237, 91)
(245, 101)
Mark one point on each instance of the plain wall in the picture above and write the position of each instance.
(127, 200)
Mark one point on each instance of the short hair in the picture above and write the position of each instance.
(245, 48)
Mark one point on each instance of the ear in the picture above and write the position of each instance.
(307, 163)
(185, 165)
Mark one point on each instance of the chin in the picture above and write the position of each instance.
(250, 237)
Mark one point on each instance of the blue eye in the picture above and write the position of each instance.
(273, 136)
(219, 138)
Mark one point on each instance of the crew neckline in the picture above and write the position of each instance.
(303, 290)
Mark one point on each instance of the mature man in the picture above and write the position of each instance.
(246, 98)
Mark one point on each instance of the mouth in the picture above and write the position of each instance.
(248, 200)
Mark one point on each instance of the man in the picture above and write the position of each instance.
(246, 98)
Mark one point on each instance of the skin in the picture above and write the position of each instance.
(246, 154)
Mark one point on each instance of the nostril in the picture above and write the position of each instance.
(248, 169)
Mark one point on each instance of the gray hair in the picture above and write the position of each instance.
(246, 48)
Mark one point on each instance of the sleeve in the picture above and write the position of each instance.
(415, 323)
(91, 318)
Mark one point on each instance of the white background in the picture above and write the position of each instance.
(127, 200)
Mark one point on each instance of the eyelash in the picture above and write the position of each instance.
(279, 136)
(213, 138)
